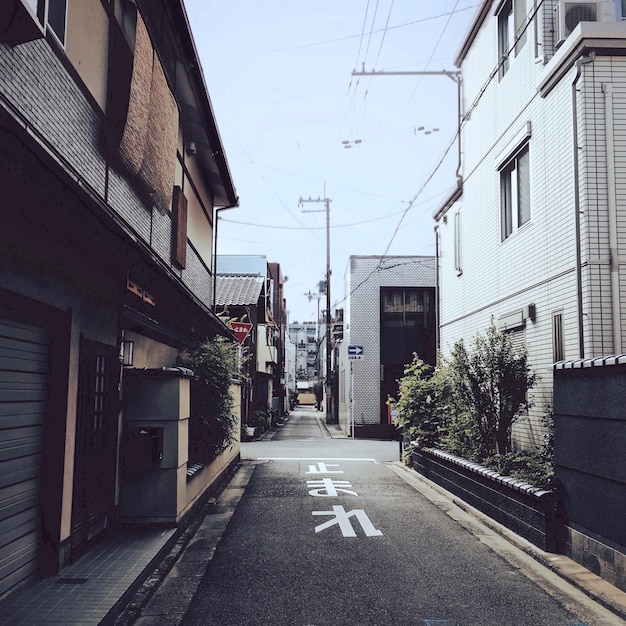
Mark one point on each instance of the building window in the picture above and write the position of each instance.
(53, 13)
(515, 192)
(511, 32)
(558, 343)
(56, 13)
(406, 308)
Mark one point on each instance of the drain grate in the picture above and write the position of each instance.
(71, 581)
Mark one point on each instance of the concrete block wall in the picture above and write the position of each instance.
(589, 441)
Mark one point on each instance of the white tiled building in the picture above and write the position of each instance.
(531, 237)
(390, 312)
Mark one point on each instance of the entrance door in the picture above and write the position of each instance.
(95, 458)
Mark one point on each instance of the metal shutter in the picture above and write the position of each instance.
(23, 405)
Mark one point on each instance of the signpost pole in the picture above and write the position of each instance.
(352, 396)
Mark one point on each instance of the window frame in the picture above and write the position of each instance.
(42, 10)
(412, 312)
(515, 192)
(457, 244)
(505, 32)
(512, 32)
(558, 337)
(59, 5)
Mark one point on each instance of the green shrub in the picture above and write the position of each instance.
(468, 407)
(491, 382)
(423, 403)
(528, 467)
(213, 425)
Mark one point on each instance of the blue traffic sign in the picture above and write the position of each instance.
(355, 352)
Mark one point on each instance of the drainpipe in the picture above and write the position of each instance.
(612, 215)
(217, 217)
(437, 299)
(579, 279)
(459, 122)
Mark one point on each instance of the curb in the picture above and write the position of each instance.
(596, 588)
(168, 558)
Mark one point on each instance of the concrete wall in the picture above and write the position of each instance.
(589, 440)
(528, 511)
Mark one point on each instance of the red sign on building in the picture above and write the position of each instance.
(241, 330)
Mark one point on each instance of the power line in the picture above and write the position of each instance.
(349, 225)
(348, 37)
(404, 213)
(319, 180)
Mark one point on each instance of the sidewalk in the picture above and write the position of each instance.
(96, 587)
(105, 582)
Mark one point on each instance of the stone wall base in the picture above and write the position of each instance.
(605, 561)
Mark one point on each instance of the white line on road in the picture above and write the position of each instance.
(311, 458)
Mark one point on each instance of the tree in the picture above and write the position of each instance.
(214, 363)
(424, 401)
(492, 381)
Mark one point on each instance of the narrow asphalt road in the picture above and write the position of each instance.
(318, 532)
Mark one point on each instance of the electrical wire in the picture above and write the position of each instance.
(332, 227)
(404, 213)
(347, 37)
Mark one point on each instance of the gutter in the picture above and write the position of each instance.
(214, 268)
(579, 280)
(616, 309)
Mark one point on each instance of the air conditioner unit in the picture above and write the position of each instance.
(569, 14)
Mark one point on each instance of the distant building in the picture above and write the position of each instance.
(390, 313)
(265, 307)
(305, 337)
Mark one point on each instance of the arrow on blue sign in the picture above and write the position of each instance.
(355, 350)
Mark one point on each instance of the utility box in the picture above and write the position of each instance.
(154, 444)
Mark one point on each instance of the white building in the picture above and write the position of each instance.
(531, 237)
(390, 313)
(305, 337)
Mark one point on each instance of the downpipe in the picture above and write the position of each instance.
(579, 280)
(616, 310)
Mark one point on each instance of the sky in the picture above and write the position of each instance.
(296, 123)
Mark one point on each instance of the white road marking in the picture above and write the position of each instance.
(342, 518)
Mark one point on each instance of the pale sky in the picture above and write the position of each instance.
(279, 75)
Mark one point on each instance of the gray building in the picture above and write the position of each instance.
(390, 313)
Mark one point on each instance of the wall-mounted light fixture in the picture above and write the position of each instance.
(128, 348)
(192, 149)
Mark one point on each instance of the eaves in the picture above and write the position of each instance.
(449, 201)
(605, 39)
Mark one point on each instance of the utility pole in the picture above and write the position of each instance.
(454, 75)
(326, 202)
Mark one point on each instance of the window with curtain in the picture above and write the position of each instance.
(405, 307)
